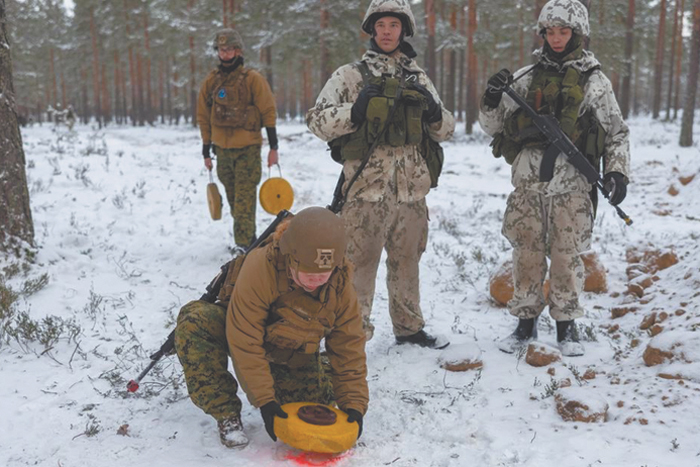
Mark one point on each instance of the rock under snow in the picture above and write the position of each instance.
(539, 354)
(576, 404)
(461, 357)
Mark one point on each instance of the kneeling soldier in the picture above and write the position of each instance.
(277, 305)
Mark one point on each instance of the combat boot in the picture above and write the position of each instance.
(523, 334)
(424, 339)
(231, 432)
(567, 337)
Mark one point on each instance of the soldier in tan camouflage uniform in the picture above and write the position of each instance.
(386, 208)
(555, 218)
(278, 303)
(234, 103)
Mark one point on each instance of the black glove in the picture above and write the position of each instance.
(268, 412)
(615, 183)
(495, 87)
(355, 416)
(358, 114)
(206, 150)
(434, 113)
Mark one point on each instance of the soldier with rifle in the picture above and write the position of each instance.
(559, 121)
(274, 307)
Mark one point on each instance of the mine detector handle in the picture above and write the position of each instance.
(560, 143)
(212, 291)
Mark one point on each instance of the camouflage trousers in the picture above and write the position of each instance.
(201, 345)
(402, 230)
(538, 226)
(240, 171)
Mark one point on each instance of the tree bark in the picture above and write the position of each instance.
(659, 72)
(472, 72)
(686, 138)
(323, 49)
(193, 69)
(95, 69)
(679, 58)
(429, 6)
(16, 224)
(461, 80)
(629, 50)
(673, 61)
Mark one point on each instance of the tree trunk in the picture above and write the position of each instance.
(429, 6)
(679, 58)
(460, 83)
(452, 74)
(16, 224)
(659, 72)
(54, 86)
(472, 72)
(149, 92)
(521, 35)
(629, 50)
(323, 49)
(537, 40)
(193, 72)
(686, 138)
(132, 67)
(95, 69)
(673, 61)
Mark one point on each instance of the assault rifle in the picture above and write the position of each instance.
(212, 291)
(560, 143)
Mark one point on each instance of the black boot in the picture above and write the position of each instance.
(423, 339)
(568, 339)
(524, 333)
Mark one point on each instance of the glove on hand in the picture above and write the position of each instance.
(268, 412)
(495, 86)
(434, 112)
(355, 416)
(206, 150)
(615, 183)
(358, 114)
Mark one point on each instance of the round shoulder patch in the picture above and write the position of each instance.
(222, 93)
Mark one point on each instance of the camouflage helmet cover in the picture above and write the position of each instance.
(564, 13)
(399, 8)
(315, 239)
(228, 37)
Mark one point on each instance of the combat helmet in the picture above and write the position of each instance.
(315, 239)
(228, 37)
(398, 8)
(564, 13)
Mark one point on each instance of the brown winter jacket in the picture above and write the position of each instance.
(261, 96)
(248, 324)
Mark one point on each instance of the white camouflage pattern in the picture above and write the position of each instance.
(390, 6)
(564, 13)
(555, 218)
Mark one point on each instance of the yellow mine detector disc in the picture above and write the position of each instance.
(335, 438)
(214, 201)
(276, 194)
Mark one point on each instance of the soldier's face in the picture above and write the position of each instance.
(310, 281)
(387, 33)
(228, 53)
(558, 37)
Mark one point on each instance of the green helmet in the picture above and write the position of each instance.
(228, 37)
(315, 239)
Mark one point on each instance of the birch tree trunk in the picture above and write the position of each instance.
(686, 138)
(16, 224)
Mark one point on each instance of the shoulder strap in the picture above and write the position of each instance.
(363, 68)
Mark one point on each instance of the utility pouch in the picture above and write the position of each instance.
(352, 146)
(434, 158)
(377, 115)
(227, 115)
(234, 269)
(253, 119)
(414, 106)
(502, 146)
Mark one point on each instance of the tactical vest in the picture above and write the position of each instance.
(405, 128)
(297, 321)
(231, 102)
(554, 93)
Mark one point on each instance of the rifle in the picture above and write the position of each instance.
(560, 143)
(209, 296)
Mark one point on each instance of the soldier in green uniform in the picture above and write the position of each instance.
(234, 103)
(277, 305)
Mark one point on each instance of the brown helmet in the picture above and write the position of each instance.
(315, 239)
(228, 37)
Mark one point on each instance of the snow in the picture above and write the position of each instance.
(126, 240)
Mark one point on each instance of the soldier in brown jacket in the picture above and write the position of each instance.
(235, 102)
(282, 300)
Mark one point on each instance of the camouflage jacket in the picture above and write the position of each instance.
(402, 169)
(598, 98)
(248, 326)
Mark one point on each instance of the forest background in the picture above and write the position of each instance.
(140, 62)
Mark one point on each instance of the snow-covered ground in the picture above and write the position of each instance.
(125, 240)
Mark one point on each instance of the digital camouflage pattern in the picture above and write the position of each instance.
(200, 342)
(240, 170)
(378, 7)
(228, 37)
(555, 218)
(401, 229)
(564, 13)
